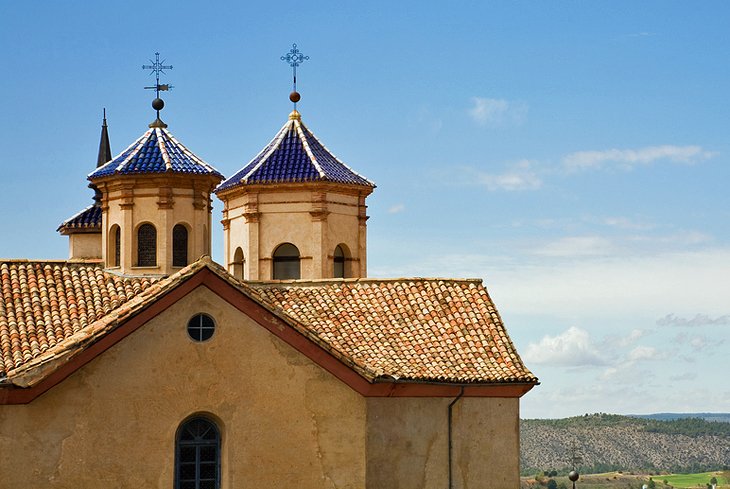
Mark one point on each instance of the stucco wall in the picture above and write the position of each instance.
(407, 443)
(84, 245)
(285, 422)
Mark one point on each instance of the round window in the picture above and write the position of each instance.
(201, 327)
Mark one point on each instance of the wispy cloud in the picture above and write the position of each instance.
(572, 348)
(497, 112)
(629, 158)
(520, 176)
(396, 209)
(576, 246)
(697, 320)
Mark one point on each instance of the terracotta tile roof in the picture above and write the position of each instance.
(294, 155)
(44, 304)
(437, 330)
(424, 330)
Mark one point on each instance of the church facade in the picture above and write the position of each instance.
(140, 362)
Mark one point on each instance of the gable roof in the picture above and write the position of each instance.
(438, 330)
(156, 151)
(294, 155)
(414, 330)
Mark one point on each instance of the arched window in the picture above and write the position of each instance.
(197, 455)
(146, 246)
(339, 262)
(115, 248)
(179, 246)
(238, 262)
(286, 262)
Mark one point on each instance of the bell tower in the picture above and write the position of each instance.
(155, 201)
(295, 210)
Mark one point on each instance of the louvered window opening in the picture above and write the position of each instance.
(339, 263)
(179, 246)
(197, 457)
(117, 246)
(146, 246)
(287, 262)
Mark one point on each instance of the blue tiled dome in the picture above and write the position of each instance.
(294, 155)
(157, 151)
(89, 218)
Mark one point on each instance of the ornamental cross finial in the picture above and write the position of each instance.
(294, 58)
(158, 67)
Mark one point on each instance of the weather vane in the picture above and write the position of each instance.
(158, 67)
(294, 58)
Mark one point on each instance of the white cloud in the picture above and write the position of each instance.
(631, 338)
(628, 158)
(520, 176)
(642, 353)
(572, 348)
(497, 112)
(396, 209)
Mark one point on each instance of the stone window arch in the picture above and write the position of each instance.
(340, 258)
(287, 262)
(238, 263)
(146, 245)
(179, 245)
(115, 246)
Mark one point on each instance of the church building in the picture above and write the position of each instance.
(140, 362)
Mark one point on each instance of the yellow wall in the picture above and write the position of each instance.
(407, 443)
(285, 422)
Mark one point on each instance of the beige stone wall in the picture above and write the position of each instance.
(84, 246)
(285, 422)
(314, 218)
(162, 201)
(408, 443)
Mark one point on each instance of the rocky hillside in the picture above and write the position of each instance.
(610, 442)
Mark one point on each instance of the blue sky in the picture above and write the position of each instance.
(574, 155)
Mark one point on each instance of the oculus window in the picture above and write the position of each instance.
(201, 327)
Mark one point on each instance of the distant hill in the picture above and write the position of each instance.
(720, 417)
(612, 442)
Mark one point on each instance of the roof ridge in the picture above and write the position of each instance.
(327, 281)
(307, 149)
(271, 147)
(335, 156)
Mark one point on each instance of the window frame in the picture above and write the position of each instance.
(180, 250)
(198, 443)
(283, 260)
(146, 262)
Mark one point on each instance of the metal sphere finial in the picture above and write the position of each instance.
(158, 104)
(295, 96)
(573, 475)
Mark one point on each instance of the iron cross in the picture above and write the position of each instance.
(294, 58)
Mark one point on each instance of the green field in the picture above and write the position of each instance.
(682, 481)
(619, 480)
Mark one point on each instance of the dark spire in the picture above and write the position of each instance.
(105, 150)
